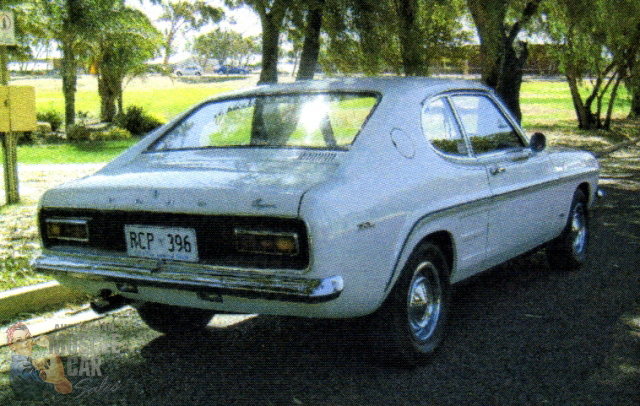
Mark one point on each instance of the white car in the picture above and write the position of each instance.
(327, 199)
(191, 70)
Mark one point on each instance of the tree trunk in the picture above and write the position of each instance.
(270, 50)
(612, 99)
(68, 70)
(271, 26)
(585, 118)
(311, 46)
(510, 78)
(635, 103)
(108, 99)
(488, 17)
(502, 67)
(410, 38)
(120, 101)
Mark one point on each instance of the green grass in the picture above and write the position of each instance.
(548, 104)
(77, 152)
(161, 96)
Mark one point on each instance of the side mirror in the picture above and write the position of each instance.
(537, 142)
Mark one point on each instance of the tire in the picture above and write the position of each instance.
(178, 73)
(411, 323)
(173, 320)
(569, 250)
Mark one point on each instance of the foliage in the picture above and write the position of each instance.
(78, 132)
(373, 37)
(120, 51)
(137, 121)
(113, 134)
(52, 117)
(183, 16)
(223, 45)
(594, 47)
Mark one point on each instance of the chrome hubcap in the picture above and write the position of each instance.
(424, 301)
(579, 229)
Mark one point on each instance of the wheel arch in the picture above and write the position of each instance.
(441, 238)
(585, 188)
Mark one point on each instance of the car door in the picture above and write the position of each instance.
(463, 183)
(522, 211)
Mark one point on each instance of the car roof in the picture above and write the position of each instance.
(403, 87)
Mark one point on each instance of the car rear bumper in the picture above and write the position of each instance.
(208, 282)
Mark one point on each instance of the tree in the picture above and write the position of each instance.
(223, 45)
(184, 16)
(217, 44)
(120, 50)
(70, 23)
(403, 36)
(311, 44)
(272, 17)
(503, 55)
(591, 46)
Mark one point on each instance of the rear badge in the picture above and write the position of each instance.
(259, 205)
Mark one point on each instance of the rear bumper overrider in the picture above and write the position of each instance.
(206, 280)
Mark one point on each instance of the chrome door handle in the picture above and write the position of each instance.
(496, 170)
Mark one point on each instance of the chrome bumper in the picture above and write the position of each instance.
(207, 281)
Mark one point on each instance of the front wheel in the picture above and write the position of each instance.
(173, 319)
(411, 323)
(569, 250)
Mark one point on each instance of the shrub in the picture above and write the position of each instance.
(113, 134)
(79, 133)
(137, 121)
(52, 117)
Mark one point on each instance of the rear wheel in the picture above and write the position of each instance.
(411, 323)
(569, 250)
(173, 319)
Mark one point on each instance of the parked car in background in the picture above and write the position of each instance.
(232, 70)
(189, 70)
(323, 199)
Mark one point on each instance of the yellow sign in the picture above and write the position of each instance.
(7, 29)
(17, 109)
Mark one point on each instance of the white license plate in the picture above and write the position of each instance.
(174, 243)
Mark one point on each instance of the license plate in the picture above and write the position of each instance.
(174, 243)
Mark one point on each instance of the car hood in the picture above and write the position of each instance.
(175, 183)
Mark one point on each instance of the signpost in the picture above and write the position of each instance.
(7, 39)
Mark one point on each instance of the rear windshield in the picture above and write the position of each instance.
(322, 121)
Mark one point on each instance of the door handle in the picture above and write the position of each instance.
(496, 170)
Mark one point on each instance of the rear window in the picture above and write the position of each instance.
(322, 121)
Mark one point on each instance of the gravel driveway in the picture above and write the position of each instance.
(520, 334)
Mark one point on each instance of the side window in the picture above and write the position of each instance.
(441, 130)
(485, 125)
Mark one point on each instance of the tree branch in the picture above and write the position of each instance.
(529, 11)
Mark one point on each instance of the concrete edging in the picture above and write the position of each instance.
(30, 299)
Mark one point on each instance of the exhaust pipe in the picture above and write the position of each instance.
(108, 302)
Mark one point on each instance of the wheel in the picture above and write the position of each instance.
(569, 250)
(411, 323)
(178, 73)
(173, 319)
(198, 74)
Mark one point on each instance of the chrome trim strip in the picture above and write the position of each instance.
(171, 276)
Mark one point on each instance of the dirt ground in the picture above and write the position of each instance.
(521, 334)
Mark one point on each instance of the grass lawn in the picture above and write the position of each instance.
(160, 95)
